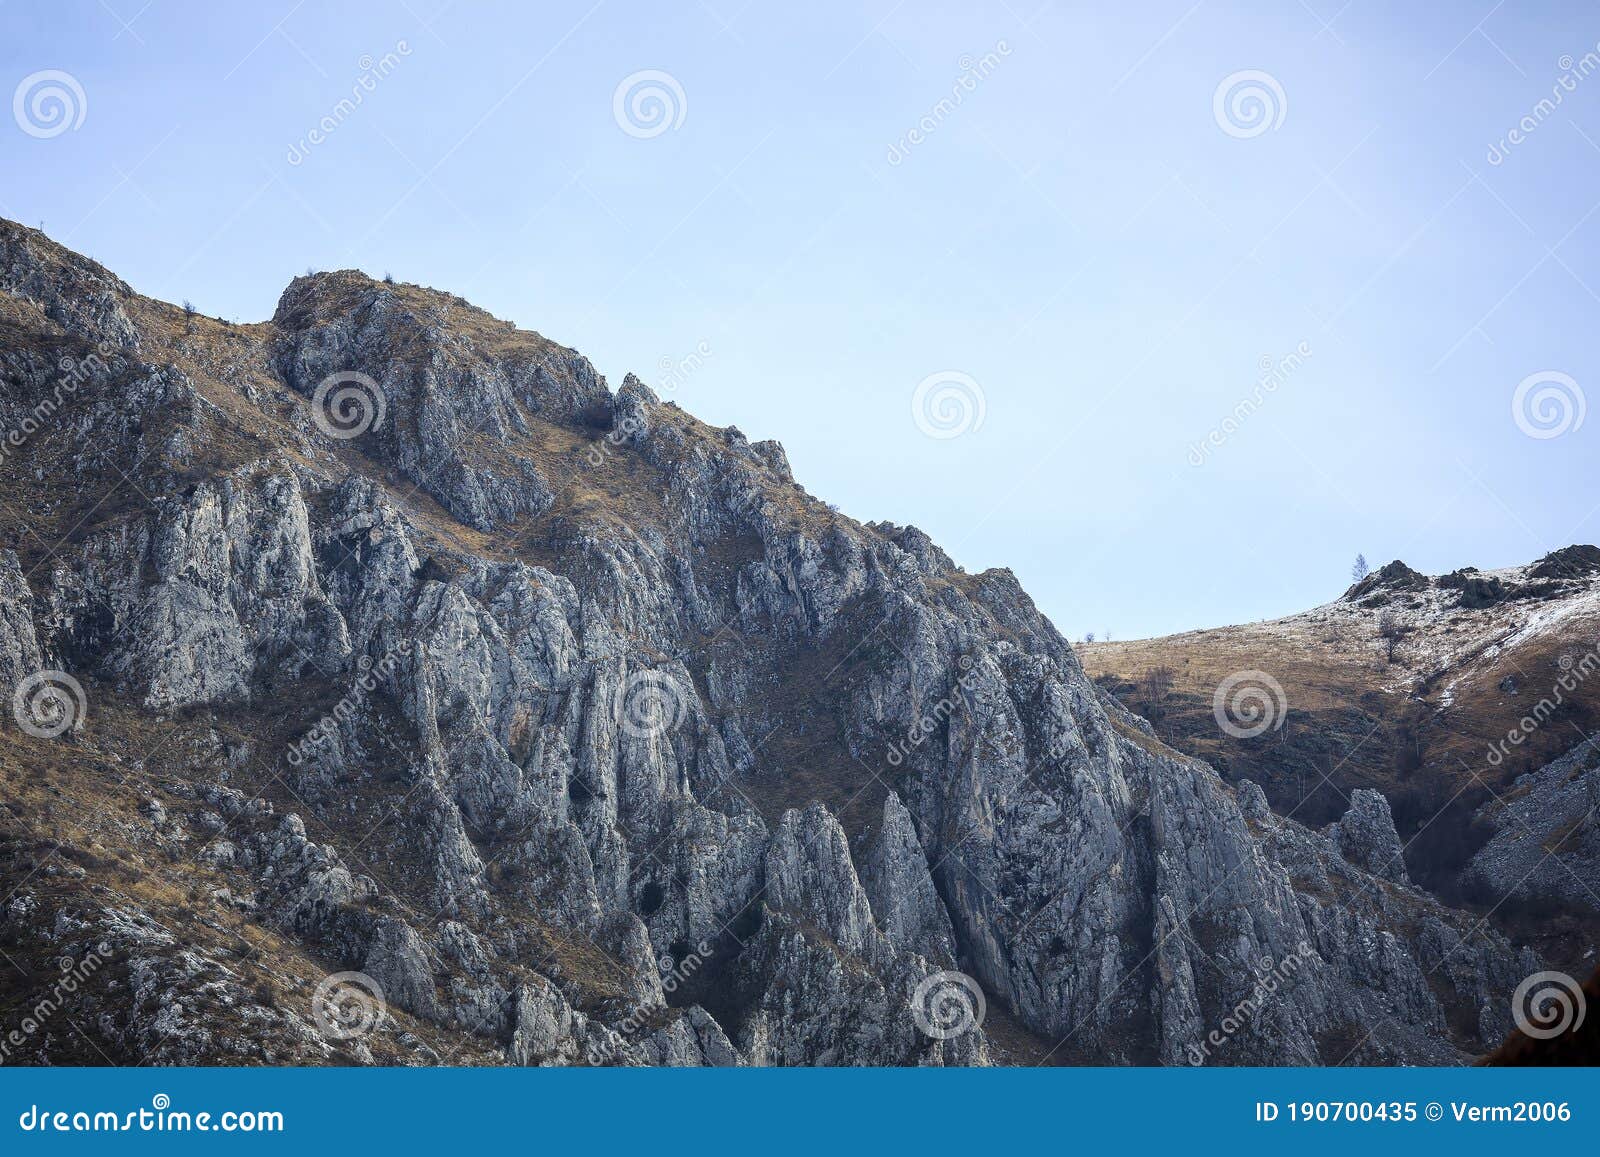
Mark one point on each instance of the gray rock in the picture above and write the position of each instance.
(468, 599)
(1367, 837)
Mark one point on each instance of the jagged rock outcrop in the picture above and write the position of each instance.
(19, 646)
(904, 900)
(596, 740)
(1545, 843)
(1367, 837)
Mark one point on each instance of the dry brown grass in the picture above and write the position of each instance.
(1359, 722)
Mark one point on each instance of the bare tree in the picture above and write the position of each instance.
(1391, 630)
(1359, 569)
(1089, 638)
(1153, 689)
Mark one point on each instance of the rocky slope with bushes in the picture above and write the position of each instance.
(1470, 701)
(388, 689)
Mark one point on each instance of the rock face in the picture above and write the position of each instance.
(1367, 837)
(585, 736)
(1446, 695)
(1545, 844)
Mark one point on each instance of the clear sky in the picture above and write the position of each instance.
(1083, 233)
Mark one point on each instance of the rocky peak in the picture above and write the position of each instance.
(581, 720)
(1390, 579)
(1367, 837)
(1570, 562)
(78, 296)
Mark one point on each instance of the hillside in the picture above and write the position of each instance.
(389, 689)
(1417, 687)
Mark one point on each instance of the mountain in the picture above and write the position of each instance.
(1469, 700)
(389, 689)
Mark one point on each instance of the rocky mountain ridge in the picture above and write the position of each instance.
(390, 690)
(1467, 699)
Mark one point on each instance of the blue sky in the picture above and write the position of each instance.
(1088, 240)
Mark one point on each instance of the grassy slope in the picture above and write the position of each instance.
(1418, 729)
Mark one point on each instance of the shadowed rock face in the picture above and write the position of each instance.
(589, 737)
